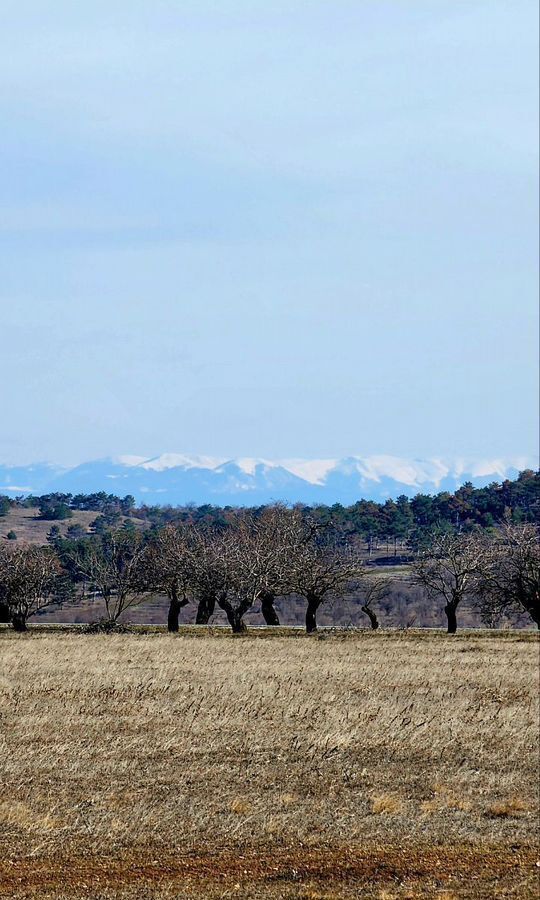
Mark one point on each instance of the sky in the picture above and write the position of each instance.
(266, 228)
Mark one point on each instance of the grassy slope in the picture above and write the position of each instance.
(389, 765)
(30, 529)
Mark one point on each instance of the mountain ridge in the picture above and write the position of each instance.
(176, 478)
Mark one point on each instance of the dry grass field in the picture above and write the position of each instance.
(360, 765)
(31, 529)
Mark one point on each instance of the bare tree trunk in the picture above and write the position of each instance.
(173, 616)
(19, 622)
(205, 610)
(450, 610)
(235, 621)
(267, 608)
(530, 605)
(372, 617)
(175, 606)
(313, 603)
(234, 616)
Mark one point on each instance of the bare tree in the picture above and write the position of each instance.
(321, 567)
(31, 579)
(267, 548)
(215, 578)
(265, 539)
(212, 561)
(243, 562)
(245, 565)
(510, 572)
(373, 589)
(449, 569)
(113, 564)
(168, 565)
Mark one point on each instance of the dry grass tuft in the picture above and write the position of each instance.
(509, 809)
(388, 804)
(24, 817)
(241, 807)
(444, 798)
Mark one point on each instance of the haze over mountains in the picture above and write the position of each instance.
(179, 479)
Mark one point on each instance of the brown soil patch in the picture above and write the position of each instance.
(417, 871)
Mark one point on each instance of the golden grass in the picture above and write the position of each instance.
(511, 808)
(149, 765)
(387, 804)
(30, 529)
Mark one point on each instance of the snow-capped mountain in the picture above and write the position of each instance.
(179, 479)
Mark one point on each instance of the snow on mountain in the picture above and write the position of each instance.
(180, 461)
(179, 478)
(312, 470)
(130, 460)
(247, 464)
(498, 467)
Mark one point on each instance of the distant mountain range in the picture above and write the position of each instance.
(178, 479)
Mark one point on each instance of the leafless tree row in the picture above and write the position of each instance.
(497, 572)
(277, 553)
(274, 554)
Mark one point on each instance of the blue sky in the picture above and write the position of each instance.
(268, 228)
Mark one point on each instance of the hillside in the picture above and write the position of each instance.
(30, 528)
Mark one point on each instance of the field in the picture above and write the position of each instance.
(390, 765)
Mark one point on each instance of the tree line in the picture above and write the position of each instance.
(401, 524)
(259, 556)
